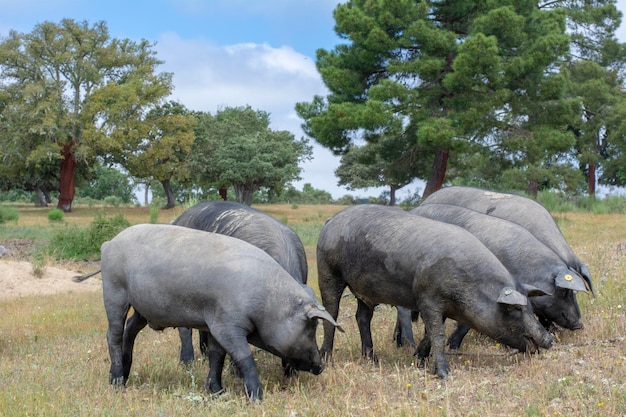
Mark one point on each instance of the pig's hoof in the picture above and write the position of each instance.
(117, 382)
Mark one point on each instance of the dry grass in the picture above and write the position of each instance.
(55, 359)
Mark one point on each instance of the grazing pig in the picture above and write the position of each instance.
(253, 226)
(178, 277)
(388, 256)
(517, 209)
(525, 257)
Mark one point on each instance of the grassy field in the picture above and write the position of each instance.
(55, 360)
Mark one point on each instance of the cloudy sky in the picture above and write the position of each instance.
(224, 53)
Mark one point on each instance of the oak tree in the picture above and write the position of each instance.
(236, 147)
(55, 72)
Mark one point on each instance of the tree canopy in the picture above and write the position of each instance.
(596, 70)
(236, 147)
(160, 148)
(67, 88)
(472, 88)
(106, 182)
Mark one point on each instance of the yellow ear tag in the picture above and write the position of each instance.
(508, 291)
(568, 277)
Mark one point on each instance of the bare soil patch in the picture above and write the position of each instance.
(18, 280)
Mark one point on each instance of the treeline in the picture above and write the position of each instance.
(112, 188)
(73, 100)
(506, 95)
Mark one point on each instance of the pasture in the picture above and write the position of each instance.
(55, 360)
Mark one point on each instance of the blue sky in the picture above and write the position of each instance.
(225, 53)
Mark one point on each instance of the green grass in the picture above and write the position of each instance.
(308, 232)
(55, 359)
(8, 214)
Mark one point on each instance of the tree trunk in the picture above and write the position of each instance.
(438, 172)
(41, 197)
(46, 195)
(224, 192)
(146, 193)
(243, 194)
(532, 188)
(392, 195)
(67, 186)
(169, 194)
(591, 178)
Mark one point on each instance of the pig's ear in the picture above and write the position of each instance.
(512, 297)
(584, 271)
(319, 312)
(534, 291)
(571, 281)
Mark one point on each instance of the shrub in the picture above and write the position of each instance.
(112, 200)
(56, 215)
(81, 243)
(154, 214)
(615, 204)
(555, 202)
(103, 229)
(8, 214)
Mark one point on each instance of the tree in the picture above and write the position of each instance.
(237, 148)
(365, 166)
(63, 67)
(107, 181)
(449, 77)
(29, 159)
(308, 195)
(160, 147)
(595, 65)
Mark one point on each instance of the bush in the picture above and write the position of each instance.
(555, 202)
(112, 200)
(16, 196)
(56, 215)
(8, 214)
(154, 214)
(80, 243)
(103, 229)
(615, 204)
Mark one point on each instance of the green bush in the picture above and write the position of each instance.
(83, 243)
(112, 200)
(555, 202)
(56, 215)
(8, 214)
(615, 204)
(154, 214)
(103, 229)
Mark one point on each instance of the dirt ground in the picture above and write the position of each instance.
(17, 278)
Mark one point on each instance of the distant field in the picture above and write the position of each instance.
(83, 215)
(55, 360)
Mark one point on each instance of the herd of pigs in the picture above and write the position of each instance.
(493, 262)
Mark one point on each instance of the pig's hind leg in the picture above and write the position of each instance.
(364, 315)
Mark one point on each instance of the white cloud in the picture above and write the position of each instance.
(208, 77)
